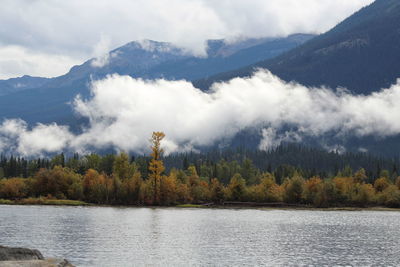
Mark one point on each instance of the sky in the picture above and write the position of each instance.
(46, 38)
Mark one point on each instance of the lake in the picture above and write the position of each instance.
(107, 236)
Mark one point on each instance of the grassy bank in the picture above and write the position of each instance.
(191, 206)
(67, 202)
(43, 201)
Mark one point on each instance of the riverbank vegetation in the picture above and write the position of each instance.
(123, 180)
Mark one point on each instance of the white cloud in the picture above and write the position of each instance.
(101, 53)
(16, 137)
(44, 138)
(123, 112)
(73, 28)
(18, 61)
(271, 139)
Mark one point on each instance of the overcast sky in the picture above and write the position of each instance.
(46, 38)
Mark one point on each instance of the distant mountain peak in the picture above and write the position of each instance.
(225, 48)
(46, 99)
(152, 46)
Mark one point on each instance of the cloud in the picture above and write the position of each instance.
(73, 28)
(270, 138)
(123, 112)
(17, 61)
(102, 54)
(16, 137)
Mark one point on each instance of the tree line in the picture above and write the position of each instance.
(281, 161)
(121, 179)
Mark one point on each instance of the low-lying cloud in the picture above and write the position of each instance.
(16, 138)
(123, 112)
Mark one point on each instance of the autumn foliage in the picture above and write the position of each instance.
(120, 180)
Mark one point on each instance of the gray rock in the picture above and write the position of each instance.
(24, 257)
(17, 254)
(37, 263)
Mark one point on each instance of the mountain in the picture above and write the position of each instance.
(362, 53)
(21, 83)
(46, 100)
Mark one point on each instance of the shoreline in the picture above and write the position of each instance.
(77, 203)
(291, 207)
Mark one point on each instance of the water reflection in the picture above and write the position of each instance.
(91, 236)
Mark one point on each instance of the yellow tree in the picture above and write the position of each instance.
(311, 188)
(156, 166)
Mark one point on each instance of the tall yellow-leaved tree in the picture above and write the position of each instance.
(156, 166)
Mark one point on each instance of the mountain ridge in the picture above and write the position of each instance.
(362, 54)
(49, 102)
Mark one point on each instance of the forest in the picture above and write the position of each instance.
(290, 174)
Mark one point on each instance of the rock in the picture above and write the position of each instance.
(24, 257)
(17, 254)
(37, 263)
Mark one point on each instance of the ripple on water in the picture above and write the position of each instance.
(105, 236)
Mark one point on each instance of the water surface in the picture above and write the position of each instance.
(106, 236)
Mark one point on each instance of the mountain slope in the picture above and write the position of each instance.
(149, 60)
(21, 83)
(362, 54)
